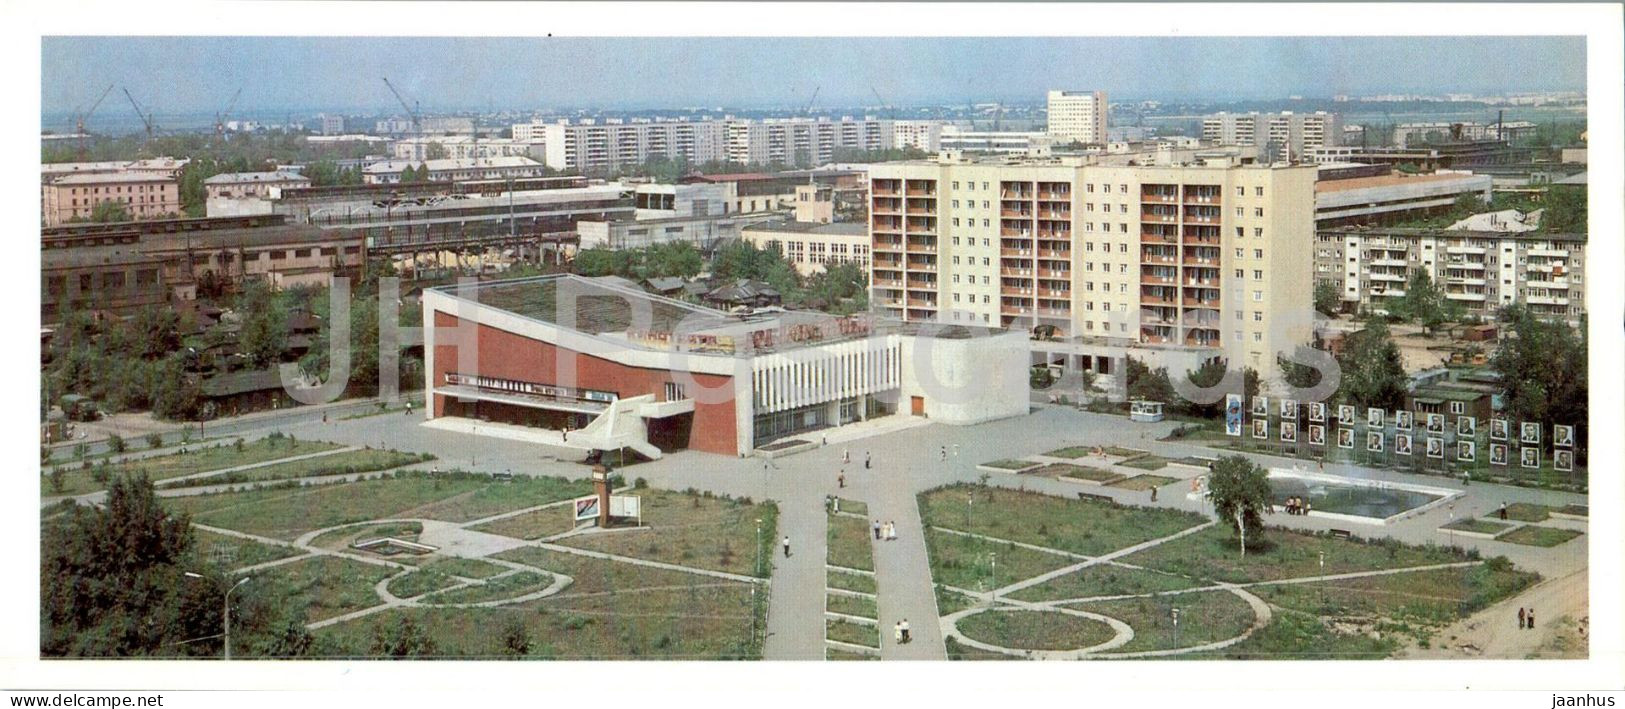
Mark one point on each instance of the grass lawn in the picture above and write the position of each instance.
(1102, 580)
(852, 605)
(286, 512)
(1079, 472)
(1297, 636)
(1082, 526)
(850, 582)
(1122, 452)
(230, 552)
(1576, 510)
(1480, 526)
(349, 462)
(1035, 630)
(950, 602)
(1010, 464)
(853, 506)
(842, 631)
(510, 586)
(534, 524)
(1527, 512)
(1538, 536)
(77, 480)
(957, 651)
(1141, 482)
(694, 530)
(420, 582)
(325, 586)
(835, 655)
(1146, 462)
(1071, 452)
(341, 539)
(499, 497)
(1212, 554)
(1204, 617)
(851, 543)
(981, 565)
(1423, 598)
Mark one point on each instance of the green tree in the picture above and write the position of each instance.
(1565, 210)
(1372, 373)
(515, 639)
(1148, 384)
(1239, 491)
(1327, 300)
(403, 639)
(109, 211)
(1211, 375)
(435, 151)
(264, 333)
(1543, 371)
(1422, 303)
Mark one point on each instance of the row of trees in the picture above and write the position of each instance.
(840, 288)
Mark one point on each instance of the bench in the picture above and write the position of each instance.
(1096, 497)
(1341, 533)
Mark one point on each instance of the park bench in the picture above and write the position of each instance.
(1341, 533)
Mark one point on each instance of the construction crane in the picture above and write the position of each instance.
(146, 117)
(220, 118)
(411, 110)
(807, 109)
(79, 121)
(891, 111)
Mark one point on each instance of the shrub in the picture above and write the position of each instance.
(115, 443)
(155, 440)
(640, 483)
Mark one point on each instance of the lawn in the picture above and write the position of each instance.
(853, 506)
(420, 582)
(324, 586)
(79, 480)
(851, 543)
(1079, 472)
(836, 655)
(981, 565)
(341, 539)
(1478, 526)
(1538, 536)
(1204, 617)
(502, 587)
(1122, 452)
(851, 605)
(346, 463)
(1526, 512)
(1035, 630)
(1141, 483)
(1426, 598)
(1103, 580)
(1146, 462)
(1212, 554)
(1011, 464)
(716, 533)
(1576, 510)
(850, 582)
(950, 602)
(853, 633)
(1082, 526)
(285, 512)
(1296, 636)
(230, 552)
(1071, 452)
(498, 497)
(534, 524)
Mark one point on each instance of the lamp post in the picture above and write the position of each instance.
(1176, 626)
(758, 546)
(226, 607)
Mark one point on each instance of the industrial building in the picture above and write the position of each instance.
(143, 195)
(388, 172)
(618, 368)
(1390, 197)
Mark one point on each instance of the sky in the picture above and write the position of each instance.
(200, 74)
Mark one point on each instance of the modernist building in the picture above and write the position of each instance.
(1409, 134)
(1392, 197)
(1286, 131)
(236, 194)
(810, 246)
(330, 124)
(1481, 270)
(594, 146)
(144, 196)
(448, 170)
(1183, 262)
(1078, 116)
(620, 368)
(920, 135)
(461, 147)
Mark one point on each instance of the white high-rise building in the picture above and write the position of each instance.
(1078, 116)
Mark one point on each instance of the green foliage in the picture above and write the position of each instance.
(1372, 374)
(1543, 372)
(1237, 487)
(1147, 384)
(515, 639)
(1210, 375)
(402, 640)
(1424, 304)
(1327, 300)
(1565, 210)
(115, 443)
(1040, 378)
(109, 211)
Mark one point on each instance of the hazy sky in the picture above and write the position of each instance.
(183, 74)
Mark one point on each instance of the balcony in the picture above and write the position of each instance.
(1053, 273)
(1016, 193)
(916, 247)
(888, 283)
(1388, 262)
(1150, 280)
(1053, 293)
(1015, 214)
(1154, 218)
(1054, 214)
(1008, 309)
(1016, 272)
(922, 267)
(1471, 297)
(1390, 277)
(1200, 302)
(1466, 265)
(914, 208)
(888, 247)
(1015, 233)
(1542, 299)
(884, 188)
(1007, 290)
(1055, 311)
(1054, 254)
(921, 303)
(1152, 237)
(1203, 261)
(1152, 299)
(1016, 253)
(1158, 198)
(1201, 196)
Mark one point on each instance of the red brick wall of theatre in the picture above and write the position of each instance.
(505, 355)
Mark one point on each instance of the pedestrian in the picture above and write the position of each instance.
(944, 453)
(866, 460)
(846, 456)
(876, 526)
(897, 631)
(893, 530)
(841, 479)
(1520, 618)
(408, 408)
(906, 638)
(786, 547)
(324, 418)
(825, 440)
(567, 437)
(1153, 494)
(1504, 516)
(1531, 621)
(1322, 463)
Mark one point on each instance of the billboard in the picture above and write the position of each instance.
(1232, 414)
(586, 507)
(1498, 429)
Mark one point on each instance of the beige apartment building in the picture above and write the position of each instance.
(144, 196)
(812, 247)
(1077, 116)
(1174, 263)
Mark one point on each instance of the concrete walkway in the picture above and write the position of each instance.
(795, 614)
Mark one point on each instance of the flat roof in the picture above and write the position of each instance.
(104, 177)
(832, 228)
(272, 176)
(1361, 183)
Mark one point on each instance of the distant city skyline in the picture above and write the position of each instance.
(174, 75)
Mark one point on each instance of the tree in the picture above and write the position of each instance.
(1372, 375)
(403, 639)
(1297, 376)
(1208, 376)
(1422, 303)
(1146, 384)
(112, 581)
(1327, 300)
(1543, 372)
(110, 211)
(1565, 210)
(1240, 491)
(435, 151)
(264, 333)
(515, 639)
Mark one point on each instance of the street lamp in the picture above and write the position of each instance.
(226, 604)
(758, 546)
(1176, 626)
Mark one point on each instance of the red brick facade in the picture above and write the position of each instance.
(506, 355)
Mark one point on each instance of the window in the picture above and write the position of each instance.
(1258, 253)
(1239, 272)
(1258, 211)
(1457, 407)
(1258, 232)
(1241, 191)
(1258, 316)
(1258, 296)
(1258, 273)
(1258, 191)
(1258, 337)
(1239, 232)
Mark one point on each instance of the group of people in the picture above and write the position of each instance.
(900, 631)
(1526, 618)
(1297, 506)
(887, 531)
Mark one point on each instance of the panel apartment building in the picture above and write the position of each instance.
(1078, 116)
(593, 146)
(1297, 132)
(1482, 270)
(1182, 262)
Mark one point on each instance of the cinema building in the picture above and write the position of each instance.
(620, 368)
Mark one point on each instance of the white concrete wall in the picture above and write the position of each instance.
(966, 381)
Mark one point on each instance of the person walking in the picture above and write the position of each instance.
(897, 632)
(786, 547)
(944, 455)
(906, 638)
(846, 456)
(1504, 516)
(840, 480)
(876, 527)
(1520, 617)
(891, 532)
(1531, 621)
(825, 440)
(866, 460)
(408, 408)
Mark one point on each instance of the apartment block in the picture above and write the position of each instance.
(920, 135)
(1078, 116)
(1482, 270)
(801, 141)
(144, 196)
(464, 147)
(1177, 262)
(590, 146)
(1286, 131)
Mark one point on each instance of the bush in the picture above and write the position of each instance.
(155, 440)
(640, 483)
(115, 443)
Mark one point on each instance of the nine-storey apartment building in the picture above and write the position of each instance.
(1182, 261)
